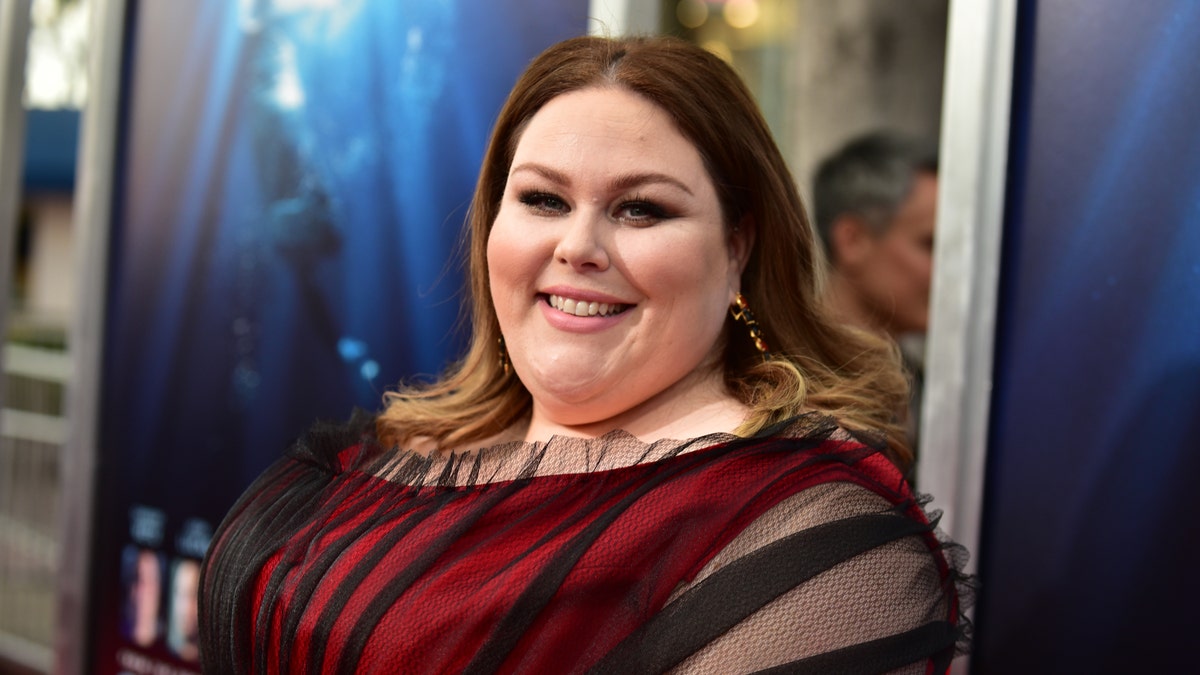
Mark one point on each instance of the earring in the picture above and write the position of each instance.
(505, 364)
(740, 311)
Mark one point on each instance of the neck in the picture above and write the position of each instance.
(690, 408)
(848, 306)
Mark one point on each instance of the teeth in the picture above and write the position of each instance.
(581, 308)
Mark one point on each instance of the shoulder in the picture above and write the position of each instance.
(319, 456)
(325, 451)
(333, 447)
(277, 505)
(830, 523)
(812, 449)
(851, 500)
(847, 558)
(866, 584)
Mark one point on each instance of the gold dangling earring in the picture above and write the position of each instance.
(740, 311)
(505, 364)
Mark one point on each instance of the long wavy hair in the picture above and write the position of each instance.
(816, 364)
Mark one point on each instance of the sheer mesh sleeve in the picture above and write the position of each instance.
(834, 579)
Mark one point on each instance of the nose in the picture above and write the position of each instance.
(583, 244)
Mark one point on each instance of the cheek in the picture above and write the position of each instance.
(502, 280)
(909, 260)
(496, 254)
(690, 272)
(507, 256)
(920, 261)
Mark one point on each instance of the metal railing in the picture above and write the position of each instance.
(32, 433)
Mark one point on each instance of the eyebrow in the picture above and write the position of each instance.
(621, 182)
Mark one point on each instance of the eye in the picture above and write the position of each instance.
(641, 211)
(544, 203)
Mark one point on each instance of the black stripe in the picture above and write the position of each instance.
(512, 627)
(738, 590)
(366, 623)
(406, 517)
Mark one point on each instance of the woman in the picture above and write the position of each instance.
(532, 510)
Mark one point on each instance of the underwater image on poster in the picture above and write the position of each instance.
(292, 184)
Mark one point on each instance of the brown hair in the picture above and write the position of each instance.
(816, 364)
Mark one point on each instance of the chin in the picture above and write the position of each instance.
(555, 385)
(578, 408)
(572, 405)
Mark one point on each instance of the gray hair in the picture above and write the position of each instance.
(869, 177)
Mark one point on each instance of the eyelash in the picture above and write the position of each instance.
(653, 211)
(539, 202)
(550, 204)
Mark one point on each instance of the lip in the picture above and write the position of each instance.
(580, 324)
(581, 294)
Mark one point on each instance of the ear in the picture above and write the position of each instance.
(741, 242)
(850, 241)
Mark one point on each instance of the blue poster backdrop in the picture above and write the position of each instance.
(292, 182)
(1091, 551)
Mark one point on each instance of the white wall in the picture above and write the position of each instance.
(859, 65)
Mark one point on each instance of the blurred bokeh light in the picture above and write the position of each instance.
(56, 65)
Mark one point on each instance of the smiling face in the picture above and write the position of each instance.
(611, 269)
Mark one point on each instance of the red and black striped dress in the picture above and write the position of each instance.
(799, 550)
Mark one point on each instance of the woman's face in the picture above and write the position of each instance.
(611, 270)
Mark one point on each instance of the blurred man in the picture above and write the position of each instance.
(876, 202)
(875, 206)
